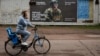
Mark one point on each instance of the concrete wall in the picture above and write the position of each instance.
(10, 10)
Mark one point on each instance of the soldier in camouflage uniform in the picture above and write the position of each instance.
(53, 13)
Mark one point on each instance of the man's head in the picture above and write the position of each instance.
(25, 14)
(54, 4)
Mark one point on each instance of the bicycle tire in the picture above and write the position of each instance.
(35, 43)
(11, 54)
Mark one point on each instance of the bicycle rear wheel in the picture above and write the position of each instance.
(42, 45)
(11, 49)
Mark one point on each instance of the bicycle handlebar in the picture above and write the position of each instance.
(35, 28)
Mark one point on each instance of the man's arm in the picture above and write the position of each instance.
(30, 24)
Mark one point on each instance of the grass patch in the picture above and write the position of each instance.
(74, 27)
(87, 27)
(63, 26)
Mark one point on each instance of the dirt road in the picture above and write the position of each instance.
(64, 42)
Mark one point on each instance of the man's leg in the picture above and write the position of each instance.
(25, 35)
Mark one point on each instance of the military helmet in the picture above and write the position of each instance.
(53, 2)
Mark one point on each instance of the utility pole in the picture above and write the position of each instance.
(0, 13)
(97, 4)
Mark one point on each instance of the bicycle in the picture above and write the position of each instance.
(13, 45)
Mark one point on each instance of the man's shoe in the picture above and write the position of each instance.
(24, 43)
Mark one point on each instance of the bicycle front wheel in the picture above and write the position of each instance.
(11, 49)
(42, 45)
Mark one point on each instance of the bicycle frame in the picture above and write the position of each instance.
(35, 37)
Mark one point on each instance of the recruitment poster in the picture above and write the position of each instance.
(43, 11)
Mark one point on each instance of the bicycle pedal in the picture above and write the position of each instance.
(13, 46)
(25, 49)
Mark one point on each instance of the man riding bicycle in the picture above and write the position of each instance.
(22, 24)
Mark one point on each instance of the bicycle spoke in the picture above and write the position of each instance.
(12, 50)
(43, 46)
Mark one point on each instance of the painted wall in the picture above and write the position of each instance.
(91, 9)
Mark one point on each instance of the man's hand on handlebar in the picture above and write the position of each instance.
(34, 29)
